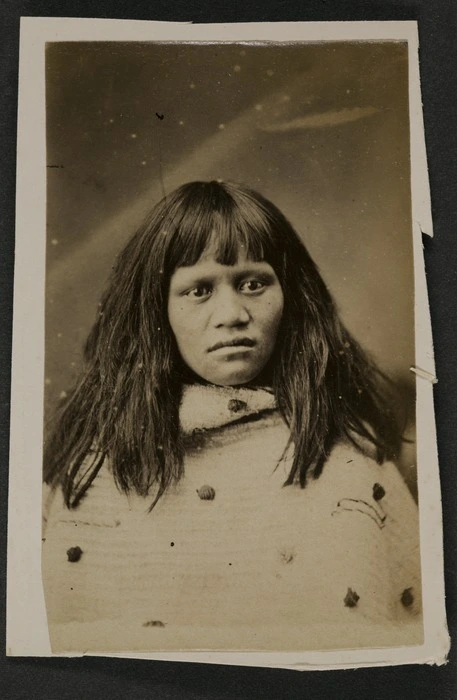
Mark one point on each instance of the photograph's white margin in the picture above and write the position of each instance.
(27, 633)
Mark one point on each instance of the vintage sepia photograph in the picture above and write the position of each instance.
(229, 444)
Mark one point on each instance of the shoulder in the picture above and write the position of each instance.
(103, 504)
(375, 498)
(365, 492)
(365, 496)
(347, 468)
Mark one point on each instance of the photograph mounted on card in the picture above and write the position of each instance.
(229, 287)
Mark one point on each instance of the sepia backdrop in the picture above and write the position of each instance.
(320, 129)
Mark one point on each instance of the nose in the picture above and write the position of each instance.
(230, 310)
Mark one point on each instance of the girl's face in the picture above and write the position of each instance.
(225, 318)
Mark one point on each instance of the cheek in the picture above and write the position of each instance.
(273, 311)
(177, 319)
(185, 323)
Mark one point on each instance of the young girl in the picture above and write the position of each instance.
(221, 475)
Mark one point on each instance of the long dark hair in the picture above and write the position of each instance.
(125, 405)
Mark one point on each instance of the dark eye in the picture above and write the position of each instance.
(252, 286)
(200, 292)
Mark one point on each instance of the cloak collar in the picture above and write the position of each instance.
(206, 407)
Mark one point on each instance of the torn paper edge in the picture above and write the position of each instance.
(27, 633)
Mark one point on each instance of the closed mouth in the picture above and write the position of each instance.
(236, 342)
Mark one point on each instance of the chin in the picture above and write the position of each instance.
(233, 373)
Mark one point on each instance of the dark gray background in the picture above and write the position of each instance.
(87, 678)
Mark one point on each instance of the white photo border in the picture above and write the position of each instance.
(27, 633)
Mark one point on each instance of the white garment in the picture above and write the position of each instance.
(259, 567)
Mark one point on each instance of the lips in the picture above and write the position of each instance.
(233, 343)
